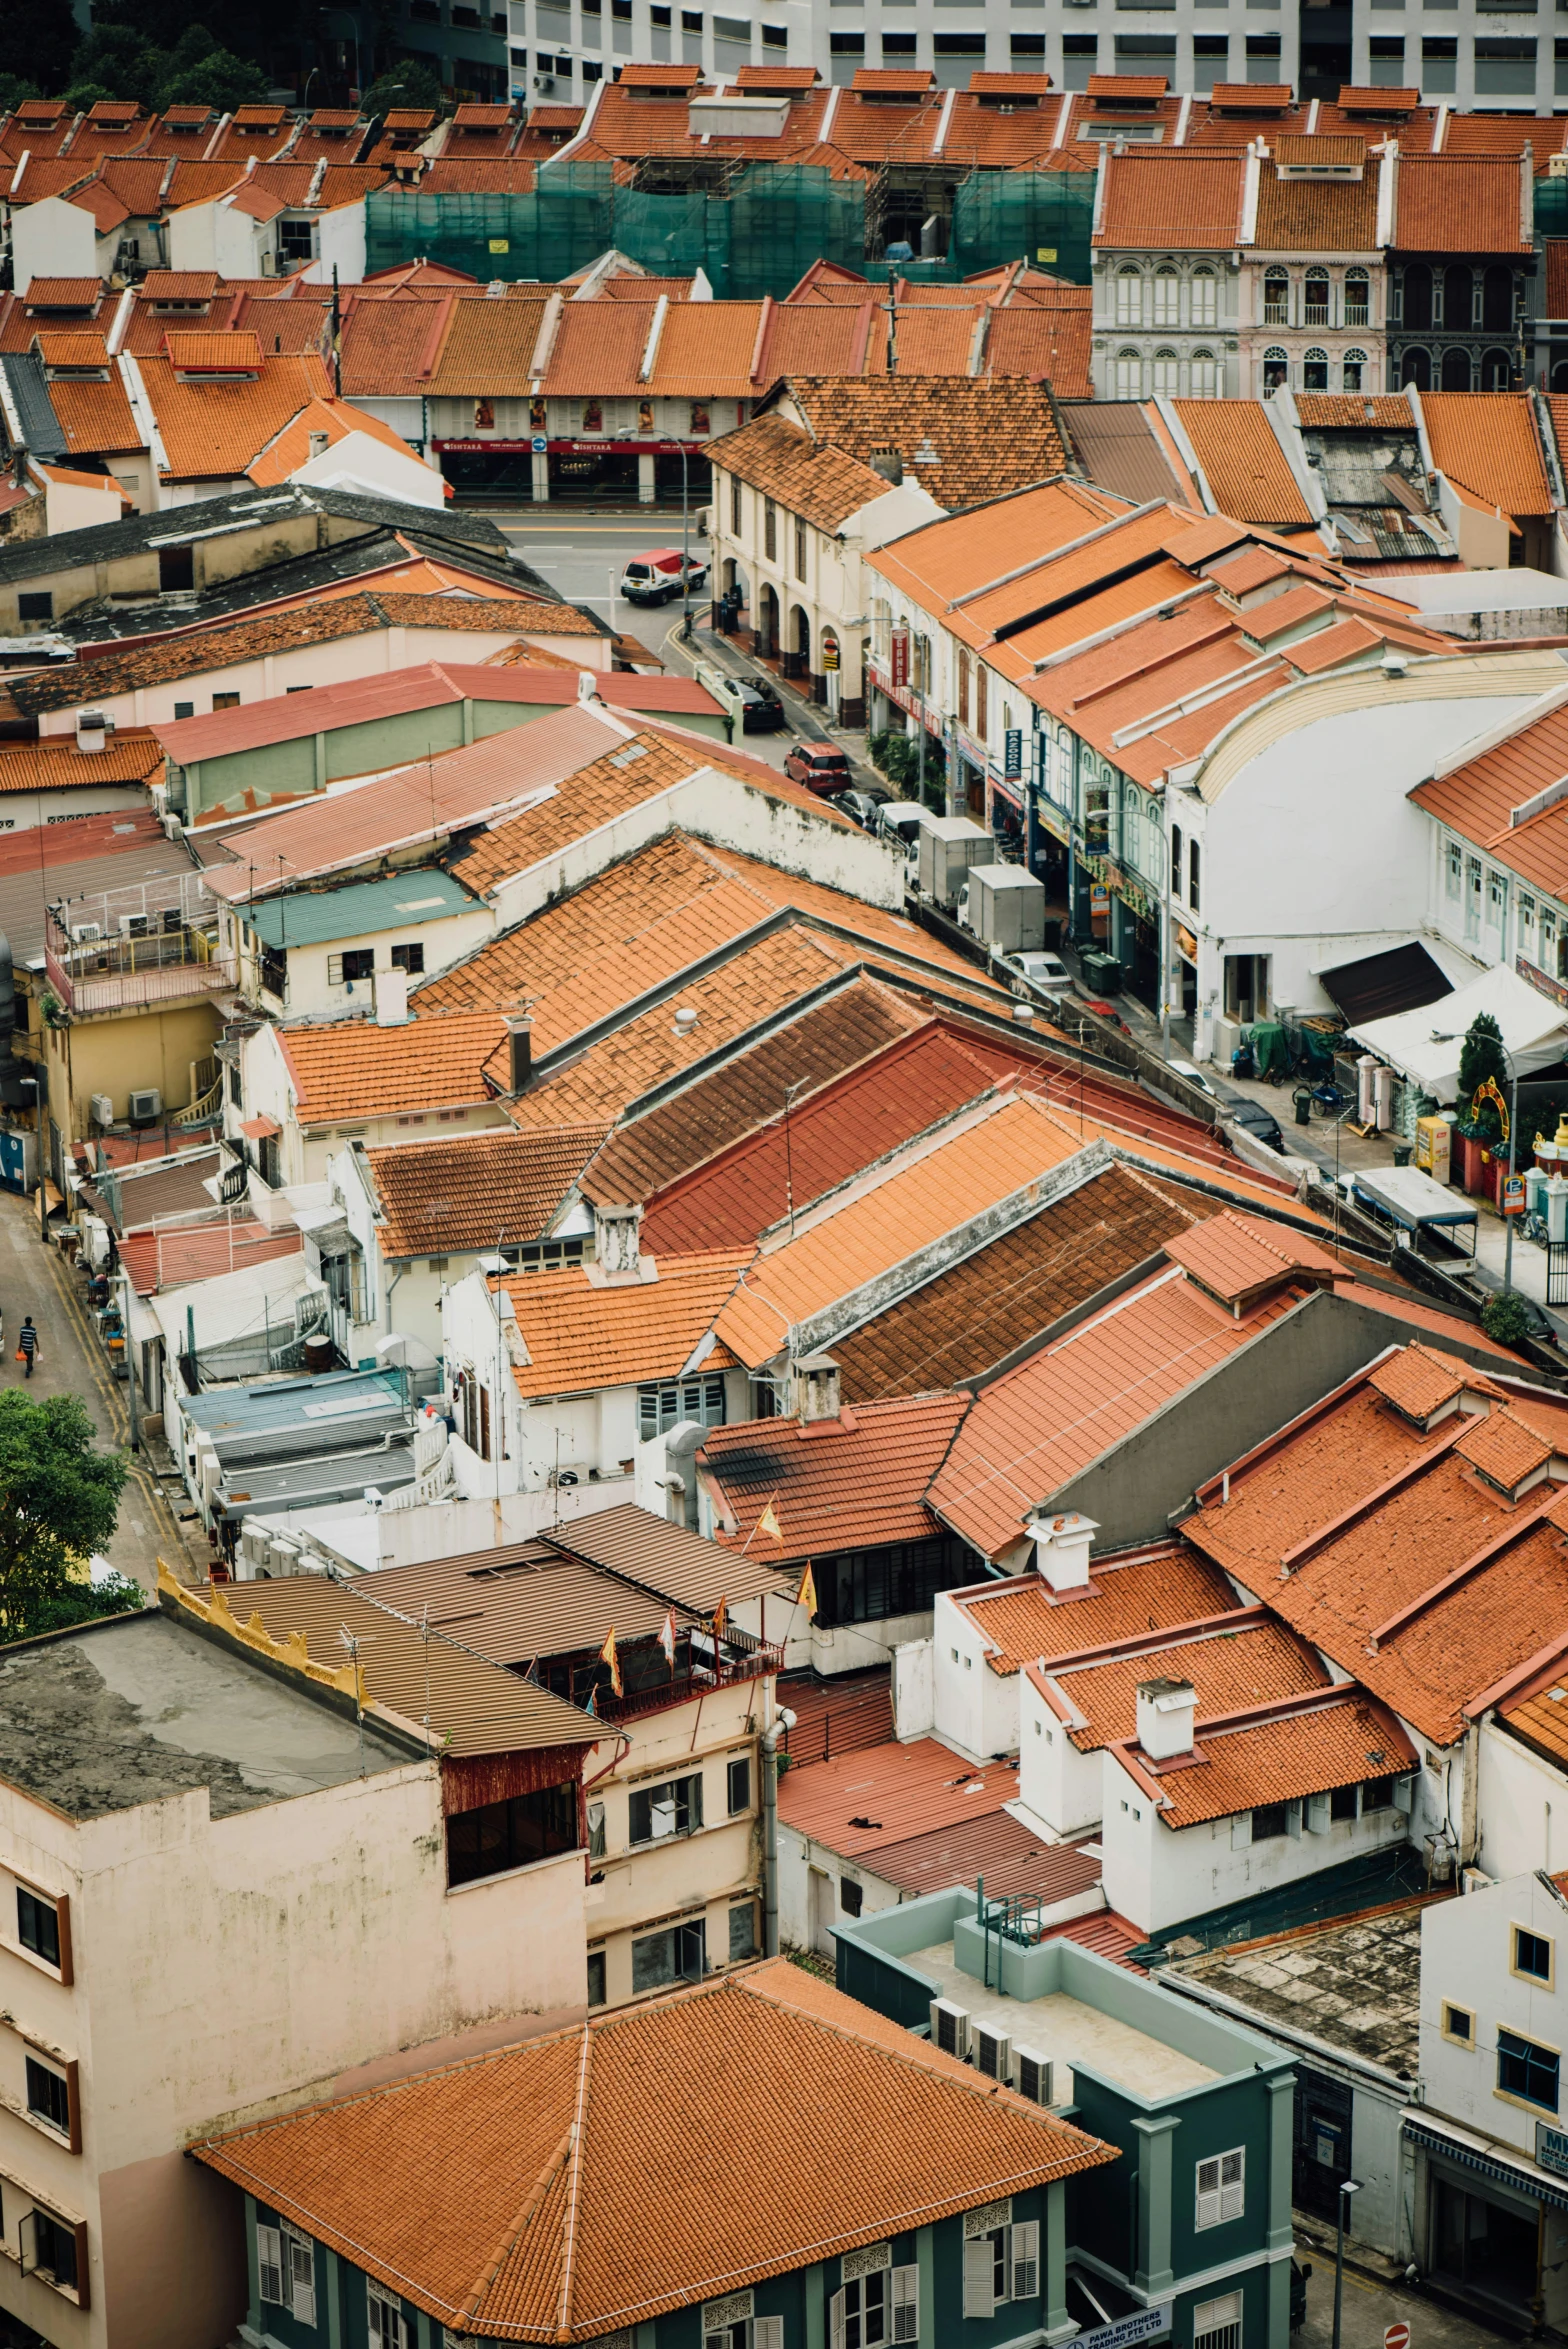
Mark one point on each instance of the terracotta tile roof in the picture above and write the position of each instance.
(853, 1483)
(964, 440)
(1239, 1258)
(597, 352)
(1505, 134)
(1360, 98)
(487, 348)
(1234, 1662)
(1046, 340)
(1336, 151)
(73, 347)
(1242, 461)
(1316, 216)
(130, 756)
(199, 1252)
(292, 447)
(742, 1096)
(861, 1801)
(349, 1069)
(957, 557)
(1173, 199)
(473, 1706)
(213, 430)
(1435, 192)
(704, 351)
(1288, 1754)
(581, 1336)
(536, 2228)
(63, 293)
(1504, 1449)
(458, 1191)
(793, 1161)
(1418, 1381)
(1023, 1620)
(1556, 297)
(96, 418)
(969, 1319)
(1486, 441)
(1476, 800)
(824, 484)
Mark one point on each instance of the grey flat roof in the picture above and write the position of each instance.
(142, 1707)
(1356, 1984)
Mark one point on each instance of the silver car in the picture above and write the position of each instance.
(1037, 973)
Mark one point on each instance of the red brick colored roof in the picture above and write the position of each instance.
(1298, 1748)
(1022, 1619)
(350, 1069)
(851, 1483)
(582, 2182)
(1233, 1661)
(582, 1335)
(457, 1191)
(1239, 1258)
(1436, 195)
(1486, 442)
(865, 1800)
(1172, 199)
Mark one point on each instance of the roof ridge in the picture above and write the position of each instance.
(519, 2225)
(569, 2234)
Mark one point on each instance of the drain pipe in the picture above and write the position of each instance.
(769, 1746)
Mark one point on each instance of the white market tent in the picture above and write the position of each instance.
(1425, 1045)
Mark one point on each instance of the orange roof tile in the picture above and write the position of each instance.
(1314, 215)
(1418, 1381)
(964, 440)
(216, 429)
(1300, 1748)
(1504, 1449)
(823, 484)
(581, 1333)
(458, 1191)
(497, 2194)
(910, 1789)
(1434, 193)
(1023, 1620)
(1486, 442)
(1241, 1257)
(350, 1069)
(851, 1483)
(1242, 461)
(1233, 1662)
(1477, 800)
(1171, 198)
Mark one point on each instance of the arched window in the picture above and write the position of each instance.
(1129, 297)
(1416, 288)
(1129, 376)
(1205, 298)
(1132, 826)
(1276, 370)
(1355, 371)
(1415, 367)
(1456, 299)
(1154, 850)
(1358, 298)
(1497, 371)
(1167, 297)
(1276, 298)
(1497, 299)
(1205, 376)
(1167, 374)
(1560, 376)
(1456, 370)
(1315, 309)
(1314, 371)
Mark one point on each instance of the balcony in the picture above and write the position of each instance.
(650, 1685)
(134, 948)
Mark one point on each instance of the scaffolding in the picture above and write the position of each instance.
(1044, 217)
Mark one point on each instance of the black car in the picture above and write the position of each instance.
(761, 710)
(1257, 1121)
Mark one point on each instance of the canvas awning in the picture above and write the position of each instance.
(1424, 1044)
(1377, 986)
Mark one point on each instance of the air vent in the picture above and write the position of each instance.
(1036, 2075)
(950, 2028)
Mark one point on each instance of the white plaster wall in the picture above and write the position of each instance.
(367, 466)
(312, 992)
(340, 244)
(976, 1709)
(20, 811)
(1522, 1807)
(914, 1689)
(1467, 1958)
(71, 505)
(1060, 1785)
(52, 239)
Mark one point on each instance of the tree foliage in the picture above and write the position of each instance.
(59, 1498)
(408, 85)
(1481, 1056)
(38, 41)
(1506, 1318)
(119, 61)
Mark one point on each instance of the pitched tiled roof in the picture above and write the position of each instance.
(486, 349)
(213, 430)
(1435, 194)
(851, 1483)
(1048, 340)
(1295, 1750)
(863, 1800)
(1171, 200)
(822, 483)
(964, 440)
(1238, 1258)
(349, 1069)
(1023, 1620)
(502, 2196)
(130, 756)
(1486, 441)
(1242, 462)
(583, 1334)
(459, 1191)
(1316, 216)
(1477, 798)
(1233, 1661)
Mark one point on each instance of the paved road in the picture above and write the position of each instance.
(35, 1279)
(1370, 2307)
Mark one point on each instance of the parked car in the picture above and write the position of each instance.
(756, 708)
(655, 577)
(1034, 972)
(820, 766)
(865, 809)
(1193, 1074)
(1255, 1120)
(901, 820)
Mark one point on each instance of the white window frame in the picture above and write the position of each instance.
(301, 2275)
(1221, 2188)
(1216, 2324)
(271, 2274)
(384, 2318)
(906, 2303)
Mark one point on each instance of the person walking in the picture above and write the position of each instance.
(27, 1344)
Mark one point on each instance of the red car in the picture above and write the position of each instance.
(819, 767)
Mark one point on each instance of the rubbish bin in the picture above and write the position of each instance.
(1302, 1097)
(1403, 1152)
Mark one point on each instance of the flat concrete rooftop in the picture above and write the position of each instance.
(1355, 1984)
(1069, 2031)
(141, 1707)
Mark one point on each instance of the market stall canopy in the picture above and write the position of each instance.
(1424, 1045)
(1377, 986)
(1412, 1200)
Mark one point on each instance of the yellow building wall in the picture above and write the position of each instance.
(122, 1055)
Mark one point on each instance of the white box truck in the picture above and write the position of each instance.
(949, 845)
(1005, 908)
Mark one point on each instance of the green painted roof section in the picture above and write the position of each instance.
(318, 917)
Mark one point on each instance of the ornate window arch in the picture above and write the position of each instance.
(1204, 376)
(1129, 375)
(1166, 374)
(1358, 298)
(1205, 297)
(1355, 371)
(1276, 297)
(1315, 303)
(1314, 371)
(1129, 296)
(1167, 296)
(1276, 370)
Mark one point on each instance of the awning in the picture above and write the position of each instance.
(1424, 1044)
(1527, 2182)
(1376, 986)
(1412, 1198)
(260, 1129)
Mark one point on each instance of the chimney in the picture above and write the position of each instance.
(391, 999)
(889, 464)
(92, 730)
(320, 442)
(1061, 1549)
(520, 1036)
(1165, 1716)
(816, 1388)
(617, 1237)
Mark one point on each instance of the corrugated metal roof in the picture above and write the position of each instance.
(310, 917)
(870, 1801)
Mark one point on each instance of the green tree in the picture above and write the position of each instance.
(1506, 1318)
(407, 85)
(119, 63)
(89, 1602)
(38, 42)
(1481, 1056)
(220, 79)
(14, 88)
(59, 1498)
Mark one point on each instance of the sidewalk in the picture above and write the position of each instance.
(803, 717)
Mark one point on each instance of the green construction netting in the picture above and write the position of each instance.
(760, 239)
(1551, 207)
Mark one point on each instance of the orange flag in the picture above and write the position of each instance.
(806, 1596)
(608, 1655)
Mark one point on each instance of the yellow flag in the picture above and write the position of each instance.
(768, 1523)
(721, 1616)
(608, 1655)
(806, 1596)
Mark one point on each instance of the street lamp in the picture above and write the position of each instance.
(1347, 2187)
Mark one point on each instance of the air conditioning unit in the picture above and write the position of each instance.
(146, 1107)
(1035, 2075)
(544, 81)
(135, 925)
(102, 1109)
(993, 2053)
(85, 933)
(269, 264)
(950, 2028)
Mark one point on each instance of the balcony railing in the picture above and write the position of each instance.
(124, 974)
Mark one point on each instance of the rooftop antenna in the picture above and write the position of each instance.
(351, 1641)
